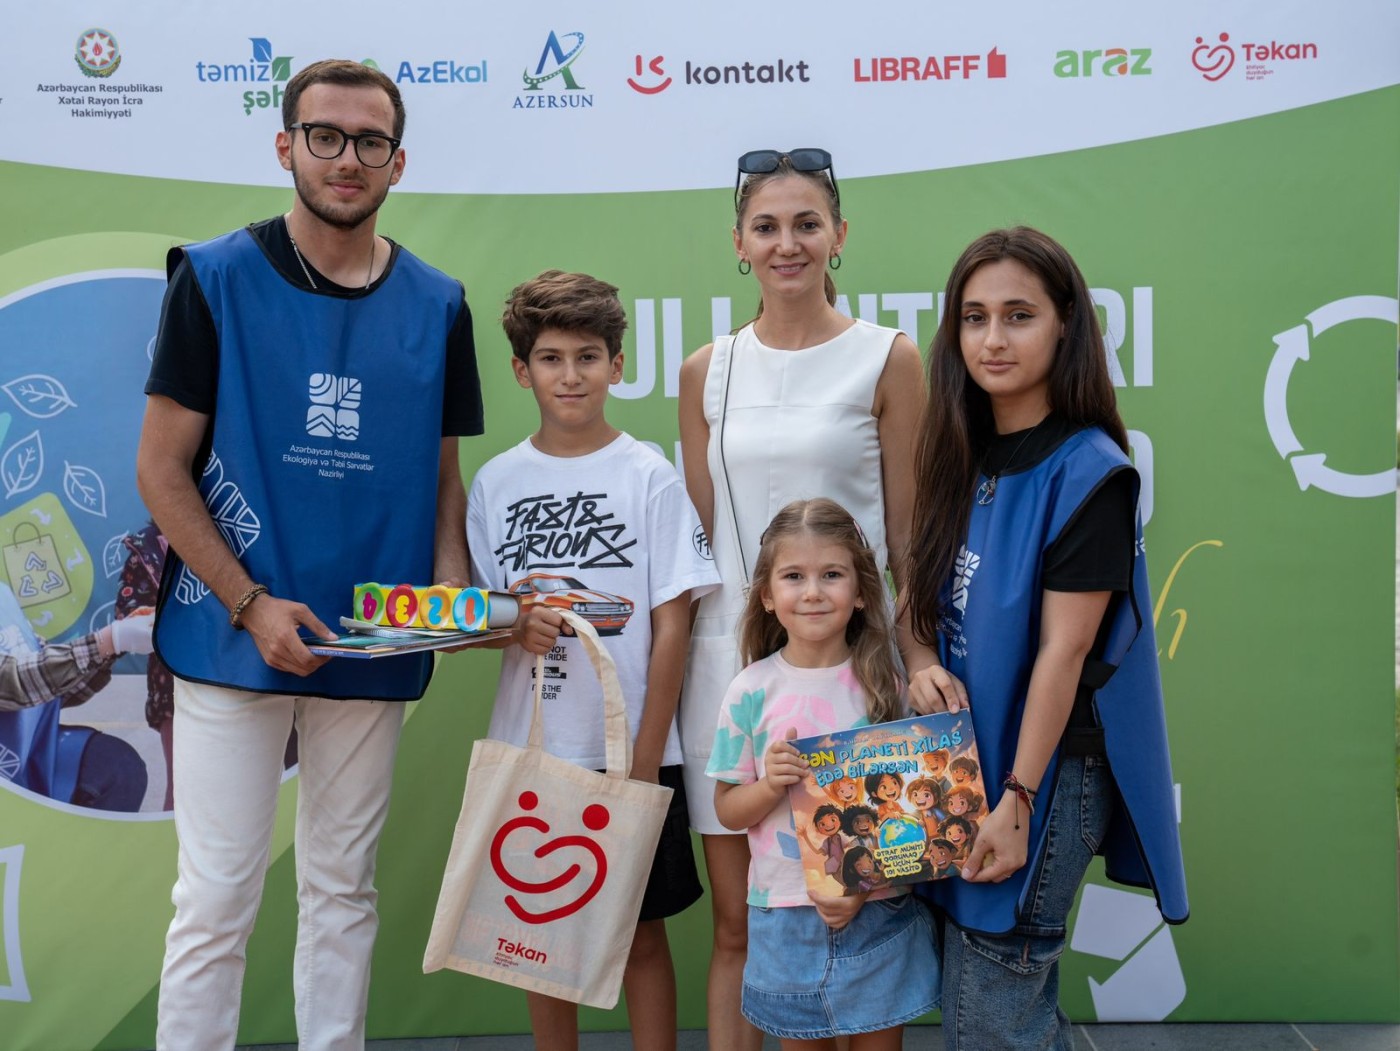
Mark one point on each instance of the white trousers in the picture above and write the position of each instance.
(228, 758)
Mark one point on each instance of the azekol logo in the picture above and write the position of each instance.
(1109, 62)
(930, 67)
(595, 817)
(97, 53)
(555, 70)
(650, 78)
(262, 68)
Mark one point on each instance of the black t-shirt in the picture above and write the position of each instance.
(185, 364)
(1094, 551)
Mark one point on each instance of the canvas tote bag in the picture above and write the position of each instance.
(549, 860)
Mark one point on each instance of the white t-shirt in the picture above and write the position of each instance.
(611, 535)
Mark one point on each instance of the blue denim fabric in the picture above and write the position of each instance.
(1002, 993)
(805, 981)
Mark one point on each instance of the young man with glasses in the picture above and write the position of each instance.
(293, 445)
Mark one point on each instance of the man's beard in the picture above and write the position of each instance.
(341, 216)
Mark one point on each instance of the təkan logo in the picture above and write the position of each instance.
(262, 68)
(930, 67)
(555, 64)
(1214, 61)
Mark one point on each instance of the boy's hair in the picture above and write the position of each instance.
(927, 784)
(944, 845)
(343, 73)
(849, 815)
(570, 302)
(964, 762)
(869, 632)
(825, 809)
(937, 753)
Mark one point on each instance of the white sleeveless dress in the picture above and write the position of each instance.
(784, 425)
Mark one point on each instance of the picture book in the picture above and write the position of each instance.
(888, 804)
(391, 642)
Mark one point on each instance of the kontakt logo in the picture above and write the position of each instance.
(552, 82)
(883, 68)
(650, 77)
(261, 68)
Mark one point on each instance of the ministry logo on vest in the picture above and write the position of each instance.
(335, 407)
(552, 84)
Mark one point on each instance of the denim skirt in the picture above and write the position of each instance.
(805, 981)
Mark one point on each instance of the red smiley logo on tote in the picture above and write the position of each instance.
(595, 817)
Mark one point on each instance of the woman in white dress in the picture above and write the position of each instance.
(800, 403)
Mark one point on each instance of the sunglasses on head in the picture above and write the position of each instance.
(807, 159)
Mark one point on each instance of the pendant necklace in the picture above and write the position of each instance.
(305, 270)
(987, 491)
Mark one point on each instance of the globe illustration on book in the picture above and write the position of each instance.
(901, 830)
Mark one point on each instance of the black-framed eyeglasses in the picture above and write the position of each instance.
(806, 159)
(327, 142)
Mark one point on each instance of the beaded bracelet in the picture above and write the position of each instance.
(1024, 794)
(235, 615)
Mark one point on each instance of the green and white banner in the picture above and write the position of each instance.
(1225, 176)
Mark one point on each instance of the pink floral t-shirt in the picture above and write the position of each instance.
(764, 701)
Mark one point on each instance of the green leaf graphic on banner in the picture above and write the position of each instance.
(281, 67)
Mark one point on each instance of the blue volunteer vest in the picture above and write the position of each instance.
(989, 637)
(324, 460)
(37, 752)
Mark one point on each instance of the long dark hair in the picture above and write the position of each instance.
(958, 425)
(821, 180)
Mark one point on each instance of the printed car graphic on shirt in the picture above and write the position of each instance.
(607, 613)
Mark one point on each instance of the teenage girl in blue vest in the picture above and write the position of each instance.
(1026, 572)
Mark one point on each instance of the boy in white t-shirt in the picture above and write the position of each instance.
(582, 516)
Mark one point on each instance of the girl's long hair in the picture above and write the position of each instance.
(958, 425)
(869, 632)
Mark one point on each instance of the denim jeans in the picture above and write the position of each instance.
(1001, 993)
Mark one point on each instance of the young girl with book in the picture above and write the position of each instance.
(816, 636)
(1026, 570)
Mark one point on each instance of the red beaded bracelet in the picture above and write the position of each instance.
(1024, 794)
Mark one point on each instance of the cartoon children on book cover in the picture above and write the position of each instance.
(888, 804)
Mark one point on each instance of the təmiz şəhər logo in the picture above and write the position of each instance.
(555, 70)
(1215, 61)
(262, 68)
(930, 67)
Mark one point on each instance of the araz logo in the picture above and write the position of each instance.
(930, 67)
(595, 817)
(1110, 62)
(97, 53)
(554, 62)
(654, 66)
(262, 68)
(1213, 62)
